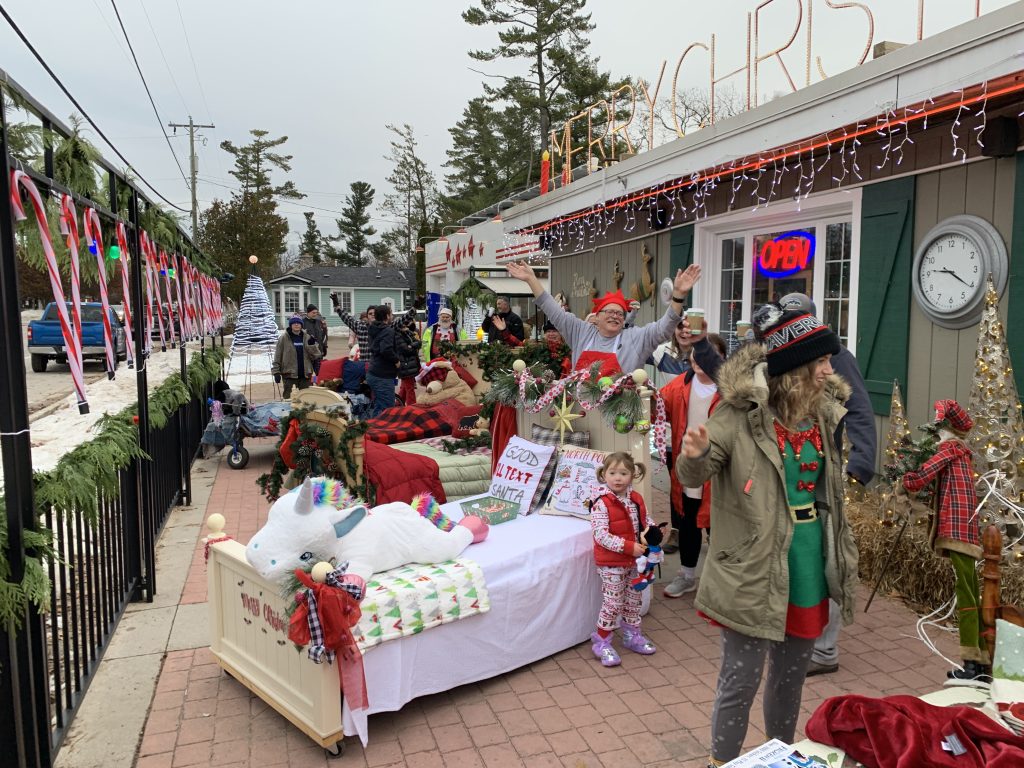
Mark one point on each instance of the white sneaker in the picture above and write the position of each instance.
(680, 585)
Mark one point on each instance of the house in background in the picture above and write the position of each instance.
(358, 288)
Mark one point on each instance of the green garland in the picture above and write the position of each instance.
(467, 444)
(81, 477)
(472, 290)
(204, 369)
(315, 455)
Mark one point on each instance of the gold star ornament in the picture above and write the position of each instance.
(563, 418)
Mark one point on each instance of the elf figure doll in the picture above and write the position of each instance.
(954, 531)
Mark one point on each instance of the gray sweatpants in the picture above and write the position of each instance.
(740, 677)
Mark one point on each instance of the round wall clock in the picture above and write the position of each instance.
(951, 266)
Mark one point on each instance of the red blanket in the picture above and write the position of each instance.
(398, 476)
(407, 422)
(905, 732)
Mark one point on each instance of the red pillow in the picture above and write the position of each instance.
(452, 412)
(331, 369)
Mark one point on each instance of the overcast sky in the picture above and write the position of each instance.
(330, 74)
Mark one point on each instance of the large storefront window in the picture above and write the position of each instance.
(791, 254)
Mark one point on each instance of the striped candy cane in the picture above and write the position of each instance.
(69, 228)
(126, 295)
(94, 240)
(152, 294)
(74, 352)
(182, 314)
(162, 261)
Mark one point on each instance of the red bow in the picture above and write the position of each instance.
(336, 612)
(810, 467)
(802, 485)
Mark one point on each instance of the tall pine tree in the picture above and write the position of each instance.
(354, 229)
(413, 199)
(312, 246)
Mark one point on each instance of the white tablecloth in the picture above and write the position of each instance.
(545, 595)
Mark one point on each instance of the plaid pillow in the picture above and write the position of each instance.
(545, 436)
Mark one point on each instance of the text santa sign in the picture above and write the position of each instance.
(518, 471)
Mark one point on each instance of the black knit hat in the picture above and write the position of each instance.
(792, 338)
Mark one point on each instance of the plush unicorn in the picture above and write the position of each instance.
(306, 525)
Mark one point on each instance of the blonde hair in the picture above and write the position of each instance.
(794, 395)
(636, 468)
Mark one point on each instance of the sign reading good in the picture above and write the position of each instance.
(787, 254)
(517, 473)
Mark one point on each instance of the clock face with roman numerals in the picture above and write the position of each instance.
(951, 267)
(951, 272)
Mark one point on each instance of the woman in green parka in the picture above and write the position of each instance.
(780, 544)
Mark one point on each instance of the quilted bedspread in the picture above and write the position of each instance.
(461, 474)
(408, 422)
(411, 598)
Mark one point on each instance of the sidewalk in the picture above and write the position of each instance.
(160, 700)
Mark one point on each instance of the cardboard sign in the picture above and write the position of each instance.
(517, 473)
(575, 482)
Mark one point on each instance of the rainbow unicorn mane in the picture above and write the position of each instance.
(331, 492)
(428, 507)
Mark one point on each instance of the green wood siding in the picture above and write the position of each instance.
(680, 249)
(883, 304)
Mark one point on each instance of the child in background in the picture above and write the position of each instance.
(407, 344)
(618, 516)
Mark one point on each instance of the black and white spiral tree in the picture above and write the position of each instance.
(256, 332)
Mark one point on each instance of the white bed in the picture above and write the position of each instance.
(544, 594)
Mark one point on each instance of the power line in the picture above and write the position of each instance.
(150, 95)
(162, 55)
(81, 109)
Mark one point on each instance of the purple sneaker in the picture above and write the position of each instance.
(636, 642)
(602, 648)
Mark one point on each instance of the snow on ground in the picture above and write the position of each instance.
(65, 429)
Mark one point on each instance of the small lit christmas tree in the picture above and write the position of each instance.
(899, 430)
(256, 332)
(998, 434)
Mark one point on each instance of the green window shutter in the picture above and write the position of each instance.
(680, 249)
(1015, 280)
(883, 302)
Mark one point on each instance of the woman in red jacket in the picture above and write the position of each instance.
(689, 401)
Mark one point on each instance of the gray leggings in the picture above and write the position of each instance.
(740, 677)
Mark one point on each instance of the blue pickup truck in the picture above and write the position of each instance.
(46, 341)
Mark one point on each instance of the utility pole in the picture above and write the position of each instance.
(193, 165)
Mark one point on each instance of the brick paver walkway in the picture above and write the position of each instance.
(562, 711)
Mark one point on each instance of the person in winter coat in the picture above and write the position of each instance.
(444, 329)
(383, 360)
(513, 332)
(316, 326)
(361, 327)
(689, 400)
(294, 356)
(407, 342)
(780, 543)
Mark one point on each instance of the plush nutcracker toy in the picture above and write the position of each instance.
(954, 531)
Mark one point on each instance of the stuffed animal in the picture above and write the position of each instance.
(442, 383)
(651, 538)
(313, 523)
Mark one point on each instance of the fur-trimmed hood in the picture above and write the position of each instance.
(743, 379)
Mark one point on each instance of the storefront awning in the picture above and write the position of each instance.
(509, 286)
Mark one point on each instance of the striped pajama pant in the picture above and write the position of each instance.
(618, 599)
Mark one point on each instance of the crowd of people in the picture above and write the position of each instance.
(758, 472)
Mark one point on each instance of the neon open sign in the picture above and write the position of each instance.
(787, 254)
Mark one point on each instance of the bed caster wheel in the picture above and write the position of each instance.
(238, 458)
(335, 751)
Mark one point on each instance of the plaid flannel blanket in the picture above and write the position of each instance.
(408, 422)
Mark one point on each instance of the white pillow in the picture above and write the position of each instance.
(517, 473)
(575, 482)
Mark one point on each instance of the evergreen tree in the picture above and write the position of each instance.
(354, 230)
(313, 246)
(248, 224)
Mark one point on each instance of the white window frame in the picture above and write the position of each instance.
(395, 309)
(816, 211)
(346, 298)
(293, 293)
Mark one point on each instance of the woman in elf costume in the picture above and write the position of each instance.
(780, 545)
(954, 531)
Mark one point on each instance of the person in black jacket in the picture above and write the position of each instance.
(407, 342)
(383, 360)
(513, 323)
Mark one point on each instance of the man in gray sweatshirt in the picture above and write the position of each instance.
(607, 337)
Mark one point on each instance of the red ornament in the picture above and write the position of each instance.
(135, 419)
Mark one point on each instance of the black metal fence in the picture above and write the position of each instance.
(48, 661)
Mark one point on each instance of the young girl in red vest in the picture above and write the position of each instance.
(618, 516)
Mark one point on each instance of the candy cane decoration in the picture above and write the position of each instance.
(94, 242)
(69, 228)
(150, 257)
(182, 317)
(73, 351)
(162, 261)
(126, 295)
